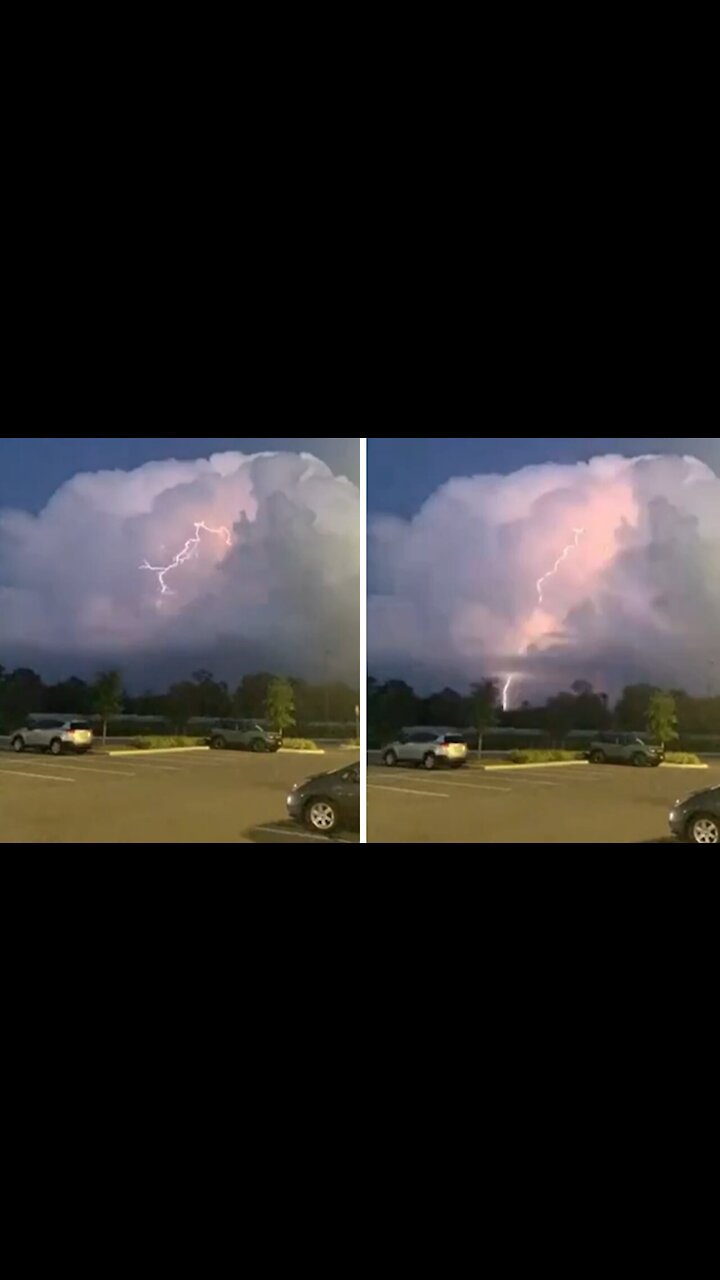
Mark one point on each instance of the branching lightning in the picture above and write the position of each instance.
(189, 550)
(539, 587)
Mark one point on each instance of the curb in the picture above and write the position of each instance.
(154, 751)
(299, 751)
(668, 764)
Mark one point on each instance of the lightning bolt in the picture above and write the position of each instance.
(563, 556)
(187, 552)
(539, 587)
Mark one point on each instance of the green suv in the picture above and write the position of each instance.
(624, 748)
(247, 735)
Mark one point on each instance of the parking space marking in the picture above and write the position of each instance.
(455, 786)
(90, 768)
(21, 773)
(537, 782)
(302, 835)
(408, 791)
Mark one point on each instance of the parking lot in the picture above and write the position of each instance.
(582, 804)
(198, 797)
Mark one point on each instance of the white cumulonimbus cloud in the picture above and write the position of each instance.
(627, 555)
(279, 589)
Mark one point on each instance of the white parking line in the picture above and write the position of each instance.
(90, 768)
(302, 835)
(408, 791)
(21, 773)
(454, 786)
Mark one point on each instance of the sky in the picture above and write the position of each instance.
(162, 556)
(32, 469)
(402, 473)
(538, 562)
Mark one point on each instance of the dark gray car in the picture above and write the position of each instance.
(697, 819)
(247, 735)
(615, 747)
(328, 800)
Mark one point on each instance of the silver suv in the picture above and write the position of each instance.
(624, 748)
(249, 735)
(427, 746)
(54, 734)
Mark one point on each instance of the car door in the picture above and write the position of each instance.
(401, 744)
(230, 733)
(39, 733)
(418, 746)
(614, 747)
(347, 794)
(30, 733)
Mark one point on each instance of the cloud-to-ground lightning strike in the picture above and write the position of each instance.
(539, 587)
(188, 550)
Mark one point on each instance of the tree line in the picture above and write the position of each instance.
(666, 714)
(286, 701)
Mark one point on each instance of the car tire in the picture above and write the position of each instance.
(55, 747)
(598, 757)
(18, 744)
(639, 760)
(429, 761)
(703, 828)
(257, 745)
(390, 759)
(320, 815)
(218, 744)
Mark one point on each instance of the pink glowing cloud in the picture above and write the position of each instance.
(637, 592)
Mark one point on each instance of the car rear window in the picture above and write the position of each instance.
(79, 724)
(451, 738)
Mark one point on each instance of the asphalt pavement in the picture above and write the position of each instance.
(583, 804)
(223, 797)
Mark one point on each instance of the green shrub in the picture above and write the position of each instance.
(300, 744)
(544, 757)
(147, 743)
(682, 757)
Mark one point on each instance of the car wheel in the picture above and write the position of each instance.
(597, 757)
(639, 760)
(258, 745)
(703, 828)
(390, 759)
(320, 815)
(55, 747)
(429, 761)
(18, 744)
(218, 744)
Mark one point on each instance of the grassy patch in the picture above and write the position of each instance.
(300, 744)
(148, 743)
(682, 757)
(544, 757)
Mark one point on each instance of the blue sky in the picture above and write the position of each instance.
(402, 473)
(31, 469)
